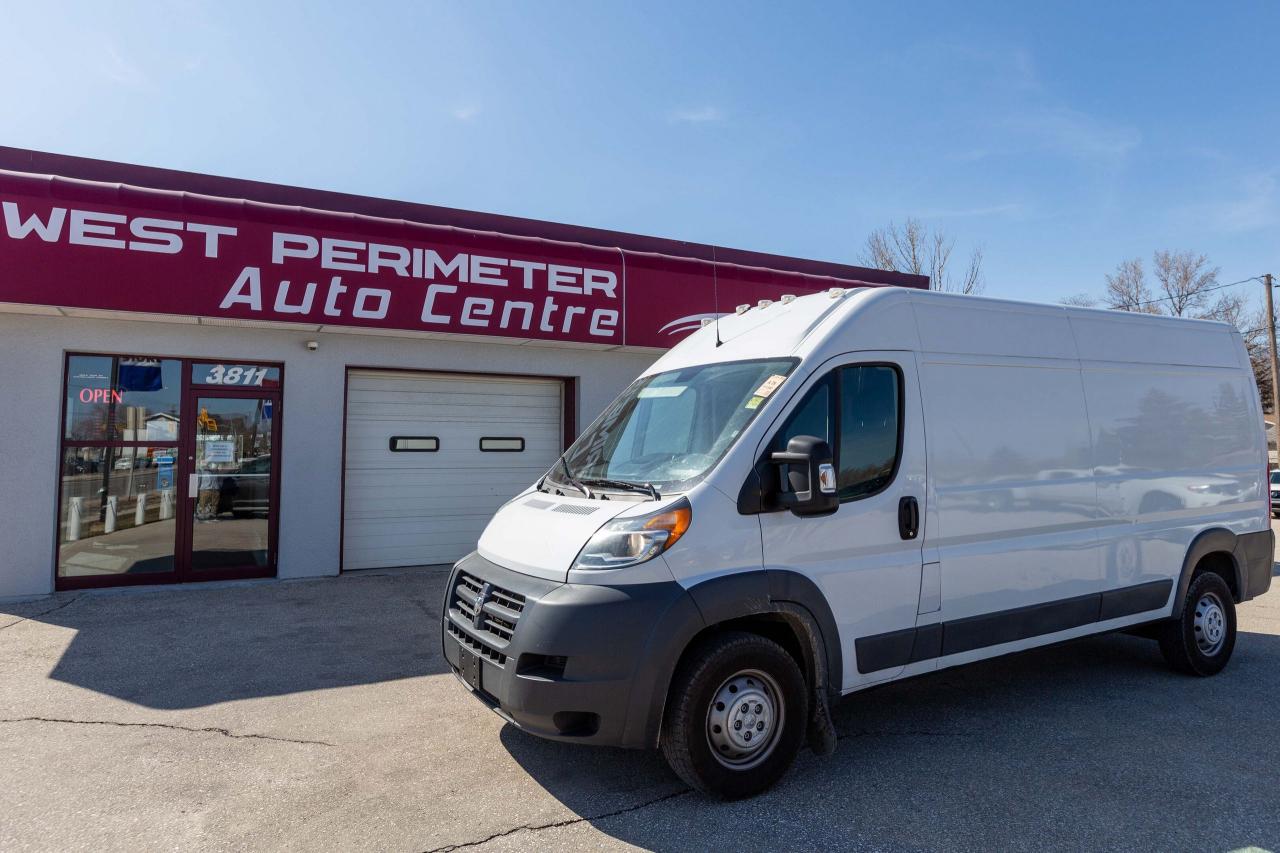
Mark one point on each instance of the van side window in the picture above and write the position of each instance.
(811, 417)
(870, 429)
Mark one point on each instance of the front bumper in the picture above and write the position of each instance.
(576, 662)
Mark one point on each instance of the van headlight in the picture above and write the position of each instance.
(630, 541)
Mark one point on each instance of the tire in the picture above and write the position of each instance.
(1200, 639)
(698, 738)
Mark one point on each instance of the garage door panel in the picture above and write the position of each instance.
(404, 557)
(485, 481)
(370, 383)
(372, 504)
(489, 398)
(454, 529)
(454, 451)
(410, 508)
(383, 496)
(489, 465)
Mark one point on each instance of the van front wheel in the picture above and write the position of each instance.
(735, 716)
(1201, 637)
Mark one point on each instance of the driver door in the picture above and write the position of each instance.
(865, 558)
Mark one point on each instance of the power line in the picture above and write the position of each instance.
(1169, 299)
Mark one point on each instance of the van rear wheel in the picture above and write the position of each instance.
(1202, 636)
(735, 716)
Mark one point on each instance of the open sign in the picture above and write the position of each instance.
(101, 395)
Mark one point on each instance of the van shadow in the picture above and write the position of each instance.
(192, 647)
(1092, 744)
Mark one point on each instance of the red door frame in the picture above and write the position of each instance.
(185, 447)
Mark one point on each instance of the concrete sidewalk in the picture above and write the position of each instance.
(319, 715)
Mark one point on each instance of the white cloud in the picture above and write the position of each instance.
(697, 115)
(1076, 134)
(466, 112)
(1253, 204)
(117, 68)
(1062, 131)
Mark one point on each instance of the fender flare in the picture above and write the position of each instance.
(766, 591)
(797, 601)
(1206, 542)
(788, 595)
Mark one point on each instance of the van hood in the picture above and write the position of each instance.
(539, 534)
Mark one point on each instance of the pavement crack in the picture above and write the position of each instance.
(559, 823)
(53, 609)
(191, 729)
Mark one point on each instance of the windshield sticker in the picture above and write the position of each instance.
(663, 391)
(769, 386)
(754, 402)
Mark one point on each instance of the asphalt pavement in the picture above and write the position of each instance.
(319, 715)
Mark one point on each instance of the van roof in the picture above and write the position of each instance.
(893, 318)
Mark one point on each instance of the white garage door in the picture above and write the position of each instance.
(428, 500)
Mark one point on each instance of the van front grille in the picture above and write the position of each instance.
(483, 617)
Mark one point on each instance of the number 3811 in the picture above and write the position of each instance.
(220, 374)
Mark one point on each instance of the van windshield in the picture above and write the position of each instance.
(669, 429)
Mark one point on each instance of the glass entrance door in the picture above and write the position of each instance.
(168, 470)
(231, 491)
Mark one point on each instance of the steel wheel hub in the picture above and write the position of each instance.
(1210, 624)
(744, 719)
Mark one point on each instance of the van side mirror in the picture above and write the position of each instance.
(807, 477)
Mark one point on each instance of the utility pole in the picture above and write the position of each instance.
(1271, 336)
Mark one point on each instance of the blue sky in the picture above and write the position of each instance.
(1062, 140)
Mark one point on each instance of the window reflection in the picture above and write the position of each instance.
(812, 417)
(868, 429)
(233, 479)
(122, 398)
(117, 512)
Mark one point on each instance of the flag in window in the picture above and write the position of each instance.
(140, 374)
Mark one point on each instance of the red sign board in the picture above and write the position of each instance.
(90, 244)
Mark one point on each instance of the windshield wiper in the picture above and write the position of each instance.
(646, 488)
(569, 479)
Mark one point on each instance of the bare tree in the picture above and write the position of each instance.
(1080, 300)
(1127, 289)
(1186, 282)
(1185, 278)
(913, 248)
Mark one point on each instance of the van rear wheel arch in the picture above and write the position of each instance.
(1211, 550)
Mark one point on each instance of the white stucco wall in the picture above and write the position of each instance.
(31, 364)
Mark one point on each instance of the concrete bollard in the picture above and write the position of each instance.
(75, 511)
(113, 506)
(140, 510)
(166, 504)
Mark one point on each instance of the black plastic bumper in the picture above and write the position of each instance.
(580, 662)
(1256, 554)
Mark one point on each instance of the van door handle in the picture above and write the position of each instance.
(908, 517)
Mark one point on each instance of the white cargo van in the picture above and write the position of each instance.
(819, 495)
